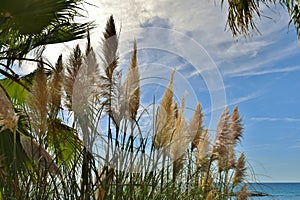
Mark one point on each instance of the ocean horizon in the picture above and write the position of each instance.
(275, 190)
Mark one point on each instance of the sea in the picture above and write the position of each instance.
(275, 191)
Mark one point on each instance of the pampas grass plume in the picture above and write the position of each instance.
(196, 126)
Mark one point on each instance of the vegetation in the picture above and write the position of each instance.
(77, 133)
(75, 130)
(241, 14)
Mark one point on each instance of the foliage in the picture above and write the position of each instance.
(242, 13)
(27, 25)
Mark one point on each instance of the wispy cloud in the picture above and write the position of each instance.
(232, 102)
(267, 71)
(243, 99)
(287, 119)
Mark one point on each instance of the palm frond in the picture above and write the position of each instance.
(241, 15)
(30, 24)
(34, 151)
(16, 91)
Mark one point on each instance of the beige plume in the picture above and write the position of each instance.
(196, 126)
(243, 193)
(37, 101)
(236, 126)
(240, 171)
(164, 122)
(203, 150)
(133, 85)
(55, 88)
(180, 140)
(8, 117)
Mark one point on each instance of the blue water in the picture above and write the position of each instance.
(276, 191)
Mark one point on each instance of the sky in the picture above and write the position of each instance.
(259, 73)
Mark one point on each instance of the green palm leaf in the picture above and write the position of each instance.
(17, 92)
(25, 25)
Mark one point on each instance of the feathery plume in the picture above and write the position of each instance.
(220, 148)
(110, 62)
(240, 171)
(231, 157)
(38, 154)
(236, 127)
(37, 101)
(133, 85)
(119, 103)
(234, 136)
(110, 47)
(243, 193)
(222, 128)
(8, 117)
(180, 140)
(175, 109)
(203, 150)
(83, 79)
(72, 70)
(196, 126)
(164, 122)
(55, 88)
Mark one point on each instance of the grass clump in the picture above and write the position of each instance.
(79, 136)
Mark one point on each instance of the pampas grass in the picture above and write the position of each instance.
(203, 151)
(38, 101)
(109, 153)
(179, 140)
(240, 171)
(132, 85)
(165, 121)
(55, 88)
(243, 194)
(8, 117)
(196, 126)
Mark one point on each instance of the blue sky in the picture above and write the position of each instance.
(259, 73)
